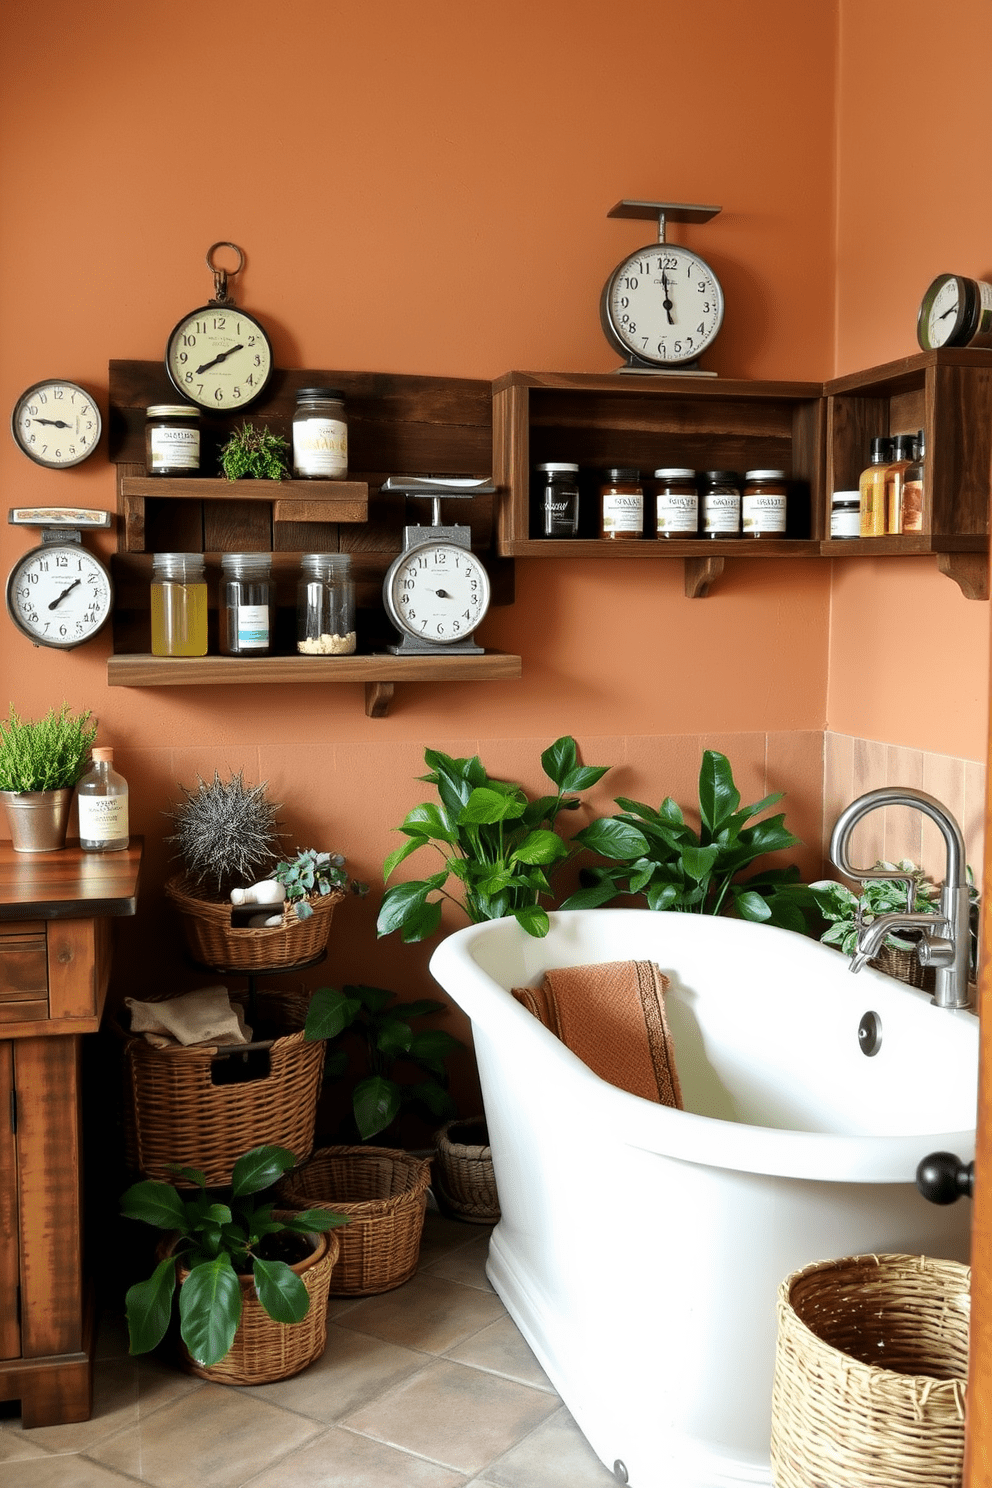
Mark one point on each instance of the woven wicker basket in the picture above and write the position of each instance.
(384, 1193)
(212, 940)
(905, 966)
(264, 1350)
(174, 1112)
(464, 1181)
(842, 1418)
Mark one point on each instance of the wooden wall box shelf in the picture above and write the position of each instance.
(55, 950)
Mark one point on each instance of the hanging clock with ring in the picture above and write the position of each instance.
(59, 594)
(437, 591)
(219, 357)
(663, 305)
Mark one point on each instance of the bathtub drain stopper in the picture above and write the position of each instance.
(620, 1471)
(870, 1034)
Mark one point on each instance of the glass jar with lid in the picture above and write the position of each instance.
(676, 502)
(765, 503)
(247, 604)
(325, 606)
(721, 502)
(621, 504)
(172, 439)
(559, 499)
(178, 605)
(320, 435)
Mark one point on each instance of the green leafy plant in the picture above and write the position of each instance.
(497, 846)
(657, 855)
(382, 1028)
(216, 1242)
(846, 912)
(255, 454)
(312, 872)
(226, 832)
(47, 753)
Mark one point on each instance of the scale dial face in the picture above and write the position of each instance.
(437, 592)
(219, 358)
(56, 423)
(662, 306)
(59, 595)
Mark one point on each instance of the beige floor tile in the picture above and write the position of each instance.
(341, 1459)
(427, 1313)
(216, 1437)
(461, 1417)
(61, 1472)
(442, 1235)
(353, 1369)
(16, 1446)
(501, 1349)
(555, 1455)
(467, 1264)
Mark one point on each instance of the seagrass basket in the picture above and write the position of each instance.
(905, 966)
(212, 940)
(264, 1350)
(870, 1374)
(464, 1181)
(384, 1192)
(183, 1105)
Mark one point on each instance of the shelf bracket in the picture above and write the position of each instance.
(378, 698)
(700, 573)
(970, 571)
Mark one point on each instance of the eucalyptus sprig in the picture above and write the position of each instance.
(255, 454)
(45, 754)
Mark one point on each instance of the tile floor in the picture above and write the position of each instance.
(429, 1386)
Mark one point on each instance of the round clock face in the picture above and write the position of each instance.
(56, 423)
(59, 595)
(662, 306)
(944, 311)
(219, 358)
(437, 592)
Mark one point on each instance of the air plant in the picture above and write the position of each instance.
(226, 832)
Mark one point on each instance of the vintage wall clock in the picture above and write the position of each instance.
(59, 594)
(56, 423)
(219, 357)
(955, 311)
(437, 591)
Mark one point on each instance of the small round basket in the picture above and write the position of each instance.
(384, 1193)
(212, 940)
(870, 1373)
(464, 1181)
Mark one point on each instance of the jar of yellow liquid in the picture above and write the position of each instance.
(179, 605)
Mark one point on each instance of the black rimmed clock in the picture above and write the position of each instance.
(955, 311)
(219, 356)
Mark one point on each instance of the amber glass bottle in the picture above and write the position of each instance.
(871, 488)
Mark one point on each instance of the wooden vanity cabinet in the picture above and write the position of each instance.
(56, 913)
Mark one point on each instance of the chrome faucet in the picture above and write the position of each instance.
(945, 942)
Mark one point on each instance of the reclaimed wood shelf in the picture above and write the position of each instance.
(379, 672)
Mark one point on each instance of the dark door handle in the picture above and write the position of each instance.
(943, 1178)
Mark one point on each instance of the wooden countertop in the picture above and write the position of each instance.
(69, 885)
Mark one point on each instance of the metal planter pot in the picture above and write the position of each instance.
(37, 819)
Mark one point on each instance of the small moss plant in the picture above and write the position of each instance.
(47, 754)
(226, 832)
(255, 454)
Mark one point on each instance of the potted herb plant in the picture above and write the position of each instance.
(255, 454)
(40, 763)
(253, 1282)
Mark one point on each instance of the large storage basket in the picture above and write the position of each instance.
(384, 1193)
(177, 1112)
(870, 1374)
(464, 1181)
(212, 940)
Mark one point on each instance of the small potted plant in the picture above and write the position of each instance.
(253, 1282)
(255, 454)
(40, 762)
(314, 875)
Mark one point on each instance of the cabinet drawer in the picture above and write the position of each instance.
(23, 972)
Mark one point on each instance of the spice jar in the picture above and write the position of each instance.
(325, 606)
(559, 499)
(320, 435)
(179, 605)
(764, 505)
(721, 500)
(247, 604)
(621, 504)
(172, 439)
(845, 514)
(676, 503)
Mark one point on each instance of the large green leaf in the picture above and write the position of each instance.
(719, 798)
(592, 897)
(157, 1204)
(533, 919)
(398, 854)
(421, 922)
(583, 777)
(432, 1047)
(698, 861)
(375, 1103)
(540, 847)
(329, 1013)
(260, 1168)
(280, 1291)
(149, 1307)
(403, 899)
(485, 806)
(394, 1036)
(662, 896)
(751, 906)
(559, 759)
(429, 821)
(613, 838)
(210, 1310)
(315, 1219)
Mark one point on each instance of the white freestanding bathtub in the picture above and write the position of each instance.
(640, 1249)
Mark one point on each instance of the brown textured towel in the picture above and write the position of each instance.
(612, 1016)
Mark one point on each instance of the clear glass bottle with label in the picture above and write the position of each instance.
(172, 439)
(721, 503)
(101, 800)
(676, 502)
(559, 499)
(325, 606)
(247, 605)
(320, 435)
(764, 504)
(621, 504)
(179, 605)
(871, 486)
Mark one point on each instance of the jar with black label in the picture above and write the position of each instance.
(765, 504)
(559, 499)
(247, 604)
(621, 504)
(172, 439)
(325, 606)
(320, 435)
(721, 502)
(676, 503)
